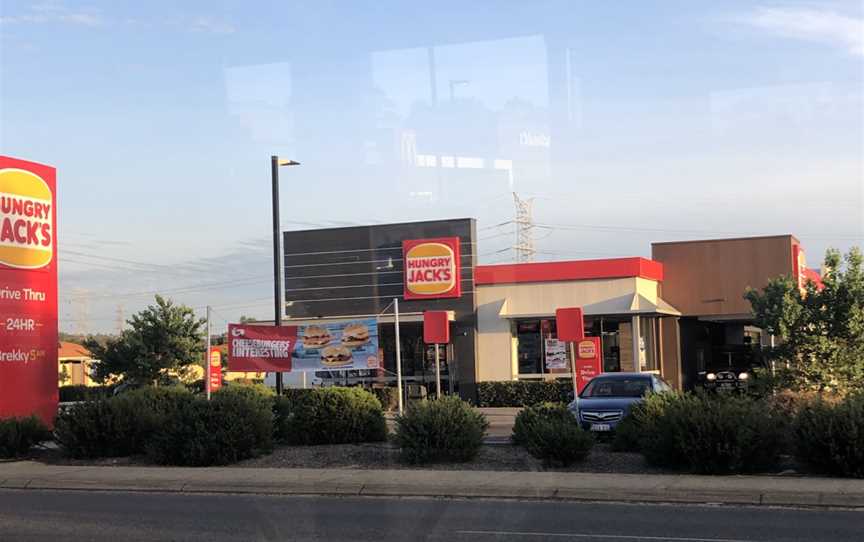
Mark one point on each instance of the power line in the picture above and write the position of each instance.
(150, 268)
(187, 289)
(599, 227)
(493, 236)
(495, 225)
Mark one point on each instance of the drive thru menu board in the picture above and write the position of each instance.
(28, 290)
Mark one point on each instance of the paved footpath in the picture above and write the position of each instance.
(747, 490)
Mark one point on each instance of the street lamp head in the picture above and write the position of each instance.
(288, 162)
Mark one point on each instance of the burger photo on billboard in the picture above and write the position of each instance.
(355, 335)
(316, 337)
(336, 356)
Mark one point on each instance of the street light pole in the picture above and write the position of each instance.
(275, 162)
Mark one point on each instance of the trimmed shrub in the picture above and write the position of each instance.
(446, 429)
(550, 432)
(117, 426)
(710, 433)
(70, 394)
(557, 440)
(518, 393)
(18, 435)
(329, 416)
(197, 386)
(388, 397)
(102, 428)
(530, 415)
(258, 387)
(830, 437)
(629, 432)
(236, 424)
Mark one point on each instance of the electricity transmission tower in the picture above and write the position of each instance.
(81, 311)
(524, 246)
(120, 320)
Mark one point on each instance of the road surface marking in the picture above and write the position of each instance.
(605, 536)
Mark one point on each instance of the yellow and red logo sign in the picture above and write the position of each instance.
(586, 349)
(431, 268)
(28, 290)
(26, 220)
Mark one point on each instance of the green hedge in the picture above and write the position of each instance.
(18, 435)
(237, 423)
(830, 437)
(446, 429)
(551, 433)
(117, 426)
(388, 397)
(530, 415)
(84, 393)
(171, 425)
(329, 416)
(709, 433)
(517, 393)
(628, 432)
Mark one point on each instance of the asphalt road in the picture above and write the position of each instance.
(102, 516)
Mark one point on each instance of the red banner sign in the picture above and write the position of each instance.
(28, 290)
(589, 361)
(214, 369)
(261, 348)
(432, 268)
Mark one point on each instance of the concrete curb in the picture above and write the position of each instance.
(740, 490)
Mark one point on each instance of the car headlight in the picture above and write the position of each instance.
(743, 376)
(711, 377)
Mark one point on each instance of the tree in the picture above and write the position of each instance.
(162, 342)
(821, 330)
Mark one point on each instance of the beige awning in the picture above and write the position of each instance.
(630, 304)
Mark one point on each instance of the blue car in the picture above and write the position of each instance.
(608, 397)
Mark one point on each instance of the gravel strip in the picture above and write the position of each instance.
(491, 458)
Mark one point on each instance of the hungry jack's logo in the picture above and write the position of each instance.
(26, 220)
(431, 268)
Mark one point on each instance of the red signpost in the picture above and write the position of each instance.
(571, 324)
(28, 290)
(585, 352)
(436, 330)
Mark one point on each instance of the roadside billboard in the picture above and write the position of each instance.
(28, 289)
(327, 346)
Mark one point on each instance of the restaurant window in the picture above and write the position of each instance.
(537, 350)
(648, 344)
(611, 348)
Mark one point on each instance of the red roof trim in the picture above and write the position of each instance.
(573, 270)
(72, 350)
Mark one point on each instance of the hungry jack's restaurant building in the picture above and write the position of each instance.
(671, 315)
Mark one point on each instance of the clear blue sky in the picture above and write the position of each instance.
(671, 120)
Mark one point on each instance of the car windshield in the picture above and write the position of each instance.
(616, 387)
